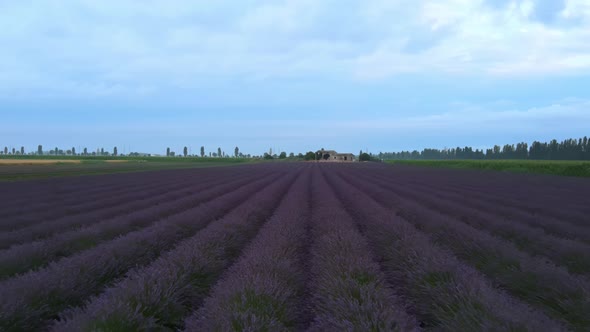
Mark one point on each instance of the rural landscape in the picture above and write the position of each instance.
(295, 166)
(278, 246)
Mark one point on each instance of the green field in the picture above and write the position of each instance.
(555, 167)
(14, 168)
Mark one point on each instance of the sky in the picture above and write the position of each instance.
(292, 75)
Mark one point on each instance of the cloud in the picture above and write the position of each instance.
(492, 41)
(50, 47)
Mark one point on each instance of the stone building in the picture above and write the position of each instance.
(333, 156)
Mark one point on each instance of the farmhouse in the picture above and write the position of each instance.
(333, 156)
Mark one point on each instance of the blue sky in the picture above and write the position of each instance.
(292, 75)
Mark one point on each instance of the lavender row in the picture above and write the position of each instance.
(549, 224)
(165, 203)
(162, 294)
(443, 292)
(538, 193)
(546, 196)
(36, 199)
(84, 203)
(28, 195)
(544, 186)
(533, 195)
(350, 292)
(27, 256)
(36, 189)
(571, 254)
(565, 297)
(513, 210)
(89, 203)
(31, 191)
(262, 291)
(29, 300)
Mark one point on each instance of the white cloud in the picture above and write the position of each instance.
(484, 41)
(287, 17)
(577, 9)
(130, 44)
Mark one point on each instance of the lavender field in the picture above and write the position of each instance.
(296, 247)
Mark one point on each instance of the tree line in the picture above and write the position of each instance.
(114, 152)
(60, 152)
(569, 149)
(203, 154)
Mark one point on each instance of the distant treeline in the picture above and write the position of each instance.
(569, 149)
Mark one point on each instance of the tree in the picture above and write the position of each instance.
(267, 156)
(310, 156)
(497, 152)
(56, 151)
(291, 155)
(102, 151)
(13, 151)
(22, 150)
(185, 151)
(283, 155)
(167, 152)
(236, 152)
(202, 151)
(219, 152)
(5, 150)
(74, 151)
(85, 152)
(367, 157)
(40, 150)
(115, 152)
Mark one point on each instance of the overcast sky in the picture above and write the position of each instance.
(292, 75)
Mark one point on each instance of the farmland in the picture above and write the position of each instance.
(554, 167)
(296, 247)
(16, 168)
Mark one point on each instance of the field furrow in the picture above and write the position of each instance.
(536, 196)
(350, 292)
(103, 205)
(522, 214)
(28, 301)
(166, 203)
(284, 246)
(262, 290)
(160, 295)
(33, 255)
(444, 293)
(535, 240)
(564, 297)
(53, 200)
(47, 203)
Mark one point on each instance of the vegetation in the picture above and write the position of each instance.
(570, 149)
(365, 157)
(293, 247)
(555, 167)
(36, 167)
